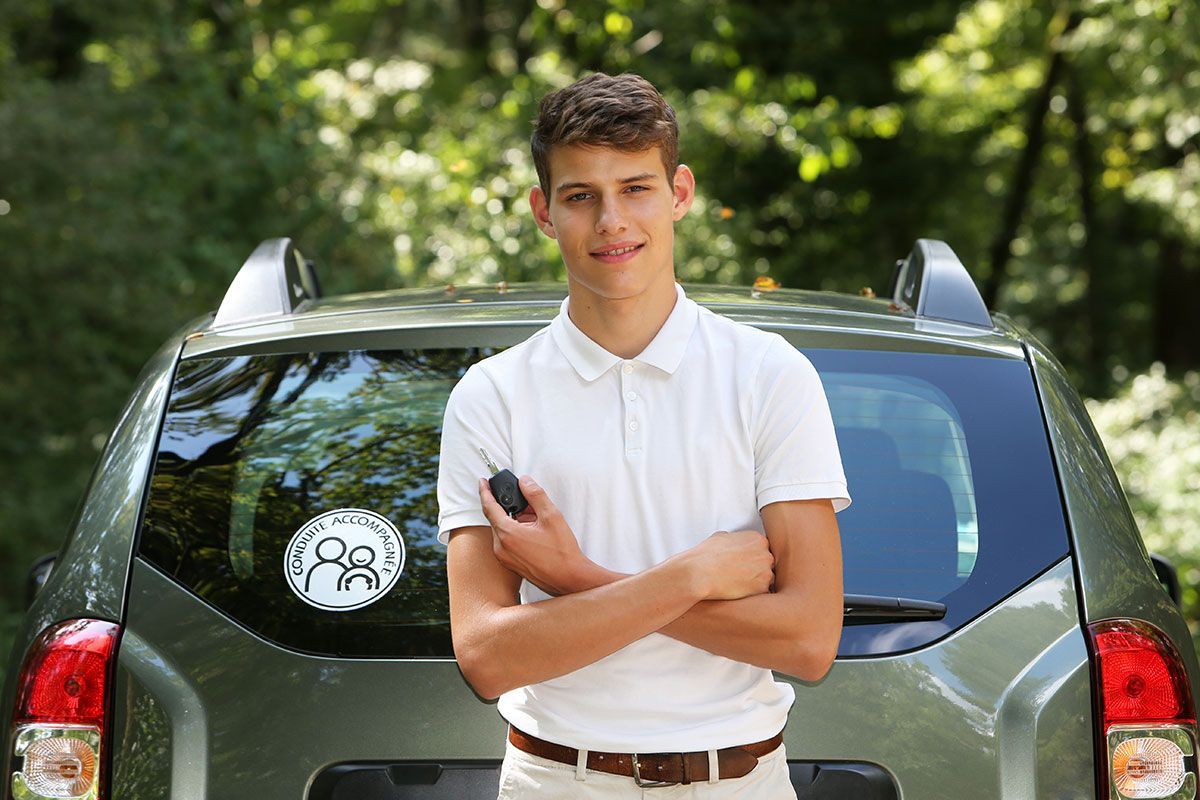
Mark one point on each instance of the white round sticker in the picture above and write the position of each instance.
(344, 559)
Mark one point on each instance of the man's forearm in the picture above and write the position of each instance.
(774, 631)
(767, 630)
(523, 644)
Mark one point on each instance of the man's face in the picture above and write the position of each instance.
(613, 214)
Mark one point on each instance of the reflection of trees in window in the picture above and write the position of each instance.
(254, 447)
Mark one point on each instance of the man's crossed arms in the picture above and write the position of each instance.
(773, 601)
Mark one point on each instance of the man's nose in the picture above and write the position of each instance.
(611, 219)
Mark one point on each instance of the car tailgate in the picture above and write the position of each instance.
(206, 709)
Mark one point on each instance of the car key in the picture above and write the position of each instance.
(504, 487)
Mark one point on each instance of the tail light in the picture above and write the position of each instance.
(61, 712)
(1146, 716)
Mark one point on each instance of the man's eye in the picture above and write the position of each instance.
(577, 196)
(638, 188)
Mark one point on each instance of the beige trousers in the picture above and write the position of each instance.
(528, 777)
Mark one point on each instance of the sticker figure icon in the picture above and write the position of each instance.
(329, 554)
(361, 557)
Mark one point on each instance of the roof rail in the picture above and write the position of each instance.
(273, 282)
(934, 284)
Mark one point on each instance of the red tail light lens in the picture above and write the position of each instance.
(1142, 678)
(60, 715)
(1146, 717)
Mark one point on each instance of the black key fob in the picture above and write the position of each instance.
(507, 492)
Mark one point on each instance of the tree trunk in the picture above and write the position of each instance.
(1175, 342)
(475, 34)
(1035, 130)
(1097, 306)
(54, 46)
(225, 37)
(522, 37)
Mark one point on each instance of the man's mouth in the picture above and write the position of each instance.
(616, 253)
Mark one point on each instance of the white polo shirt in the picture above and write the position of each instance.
(646, 457)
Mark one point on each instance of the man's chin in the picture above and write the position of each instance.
(615, 286)
(610, 292)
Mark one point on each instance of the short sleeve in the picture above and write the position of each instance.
(475, 418)
(796, 455)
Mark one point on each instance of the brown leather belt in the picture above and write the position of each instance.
(653, 769)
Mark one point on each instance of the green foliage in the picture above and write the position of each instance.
(148, 146)
(1145, 58)
(1151, 430)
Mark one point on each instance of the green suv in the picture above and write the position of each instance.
(252, 601)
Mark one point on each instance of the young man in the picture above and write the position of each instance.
(629, 619)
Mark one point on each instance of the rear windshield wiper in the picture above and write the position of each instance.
(872, 609)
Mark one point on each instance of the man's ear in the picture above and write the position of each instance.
(541, 211)
(684, 187)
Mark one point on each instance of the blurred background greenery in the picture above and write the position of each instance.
(146, 146)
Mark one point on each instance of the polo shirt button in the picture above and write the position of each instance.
(631, 395)
(633, 426)
(627, 369)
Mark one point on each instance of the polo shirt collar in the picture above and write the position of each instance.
(665, 351)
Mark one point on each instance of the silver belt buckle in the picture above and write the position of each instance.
(650, 784)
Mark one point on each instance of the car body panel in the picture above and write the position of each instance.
(91, 571)
(926, 717)
(1115, 574)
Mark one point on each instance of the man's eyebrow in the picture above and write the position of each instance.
(581, 185)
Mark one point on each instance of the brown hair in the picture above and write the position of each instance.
(624, 111)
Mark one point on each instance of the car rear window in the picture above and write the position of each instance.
(262, 457)
(954, 493)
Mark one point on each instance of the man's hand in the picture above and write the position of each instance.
(538, 545)
(795, 628)
(736, 565)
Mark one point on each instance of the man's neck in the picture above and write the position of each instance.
(622, 327)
